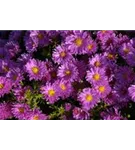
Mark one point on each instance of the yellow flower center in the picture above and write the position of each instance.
(126, 50)
(40, 36)
(6, 68)
(96, 76)
(53, 74)
(1, 86)
(97, 64)
(90, 46)
(35, 70)
(63, 87)
(89, 97)
(15, 77)
(110, 56)
(68, 72)
(103, 31)
(21, 110)
(51, 92)
(36, 117)
(78, 42)
(62, 54)
(101, 89)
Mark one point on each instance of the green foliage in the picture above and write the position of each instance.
(33, 98)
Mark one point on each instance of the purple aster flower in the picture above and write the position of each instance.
(109, 42)
(103, 33)
(131, 91)
(15, 75)
(15, 35)
(80, 114)
(65, 88)
(88, 98)
(81, 67)
(61, 54)
(52, 33)
(122, 92)
(19, 92)
(123, 39)
(98, 61)
(96, 75)
(2, 43)
(4, 54)
(76, 42)
(23, 59)
(40, 36)
(67, 106)
(5, 86)
(126, 49)
(130, 59)
(90, 48)
(132, 41)
(12, 48)
(112, 114)
(112, 98)
(30, 44)
(122, 75)
(36, 114)
(5, 111)
(20, 110)
(103, 89)
(110, 57)
(68, 71)
(50, 92)
(36, 69)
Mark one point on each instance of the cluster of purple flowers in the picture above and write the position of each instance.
(66, 75)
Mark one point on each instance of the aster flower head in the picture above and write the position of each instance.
(88, 98)
(2, 43)
(5, 111)
(12, 48)
(80, 114)
(5, 86)
(61, 54)
(67, 106)
(39, 36)
(98, 61)
(103, 33)
(109, 42)
(122, 39)
(31, 44)
(50, 92)
(4, 54)
(15, 75)
(103, 89)
(68, 71)
(112, 98)
(126, 49)
(90, 47)
(122, 92)
(96, 75)
(65, 88)
(124, 75)
(19, 92)
(35, 69)
(23, 59)
(36, 114)
(15, 35)
(20, 110)
(130, 59)
(112, 114)
(131, 91)
(76, 42)
(81, 67)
